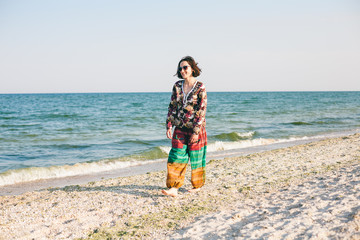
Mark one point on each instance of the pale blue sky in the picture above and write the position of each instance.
(134, 46)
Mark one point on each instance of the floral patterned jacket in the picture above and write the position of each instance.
(189, 111)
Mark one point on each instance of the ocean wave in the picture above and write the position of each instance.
(67, 146)
(319, 122)
(6, 112)
(223, 146)
(7, 117)
(300, 123)
(152, 155)
(234, 136)
(137, 142)
(61, 115)
(329, 122)
(68, 129)
(252, 100)
(15, 126)
(40, 173)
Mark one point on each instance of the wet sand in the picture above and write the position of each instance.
(308, 191)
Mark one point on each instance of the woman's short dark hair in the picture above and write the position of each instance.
(196, 70)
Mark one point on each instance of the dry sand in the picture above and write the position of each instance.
(309, 191)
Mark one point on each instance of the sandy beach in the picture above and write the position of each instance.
(309, 191)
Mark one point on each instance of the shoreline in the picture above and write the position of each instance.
(237, 189)
(154, 166)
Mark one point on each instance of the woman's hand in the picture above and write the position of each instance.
(169, 133)
(194, 138)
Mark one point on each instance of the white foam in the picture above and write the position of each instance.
(223, 146)
(165, 149)
(38, 173)
(246, 135)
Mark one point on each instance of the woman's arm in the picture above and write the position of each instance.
(171, 111)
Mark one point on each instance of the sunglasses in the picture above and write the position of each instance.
(184, 67)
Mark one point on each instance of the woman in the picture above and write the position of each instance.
(187, 115)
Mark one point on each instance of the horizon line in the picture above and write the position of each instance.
(131, 92)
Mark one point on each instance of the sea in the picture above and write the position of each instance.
(44, 136)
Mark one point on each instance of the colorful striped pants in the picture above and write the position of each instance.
(180, 154)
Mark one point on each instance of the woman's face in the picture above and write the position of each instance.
(186, 70)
